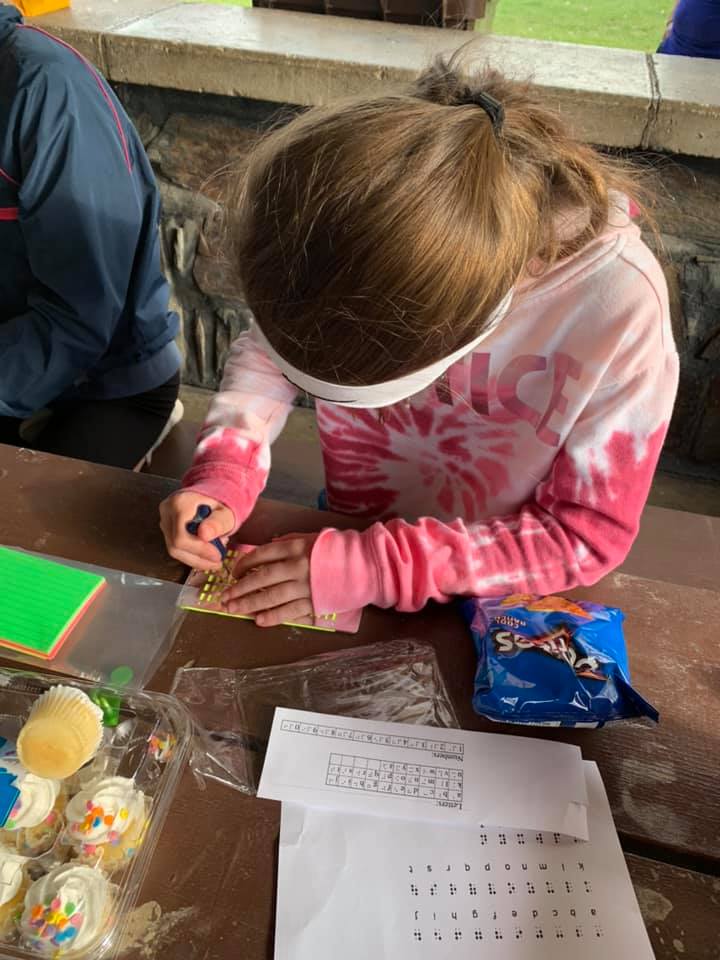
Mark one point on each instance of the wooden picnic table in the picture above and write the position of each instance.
(211, 890)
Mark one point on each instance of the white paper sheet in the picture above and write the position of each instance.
(360, 887)
(425, 773)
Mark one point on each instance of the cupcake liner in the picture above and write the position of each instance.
(12, 908)
(10, 912)
(62, 733)
(44, 838)
(112, 858)
(63, 699)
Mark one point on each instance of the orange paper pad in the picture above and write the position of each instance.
(41, 602)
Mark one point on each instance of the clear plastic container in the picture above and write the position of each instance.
(142, 755)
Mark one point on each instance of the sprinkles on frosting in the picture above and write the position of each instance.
(14, 813)
(161, 746)
(11, 824)
(96, 817)
(54, 922)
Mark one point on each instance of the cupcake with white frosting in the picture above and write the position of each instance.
(66, 911)
(35, 821)
(106, 822)
(13, 884)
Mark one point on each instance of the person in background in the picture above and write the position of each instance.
(459, 284)
(693, 30)
(89, 367)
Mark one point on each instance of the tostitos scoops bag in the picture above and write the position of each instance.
(551, 662)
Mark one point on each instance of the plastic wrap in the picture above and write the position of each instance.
(123, 636)
(397, 681)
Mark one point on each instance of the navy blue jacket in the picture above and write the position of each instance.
(695, 30)
(83, 303)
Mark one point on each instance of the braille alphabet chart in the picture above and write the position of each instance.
(359, 886)
(424, 773)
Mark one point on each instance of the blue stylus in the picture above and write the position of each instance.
(202, 513)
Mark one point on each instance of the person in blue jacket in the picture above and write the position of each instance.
(693, 30)
(89, 366)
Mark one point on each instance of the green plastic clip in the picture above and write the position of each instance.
(110, 704)
(109, 701)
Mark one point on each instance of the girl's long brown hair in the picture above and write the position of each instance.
(376, 236)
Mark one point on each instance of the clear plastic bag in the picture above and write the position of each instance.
(395, 681)
(123, 636)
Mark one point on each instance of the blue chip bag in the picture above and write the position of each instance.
(551, 661)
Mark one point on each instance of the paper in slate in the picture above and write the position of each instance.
(357, 887)
(422, 773)
(202, 590)
(41, 601)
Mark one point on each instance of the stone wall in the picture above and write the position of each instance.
(193, 141)
(689, 219)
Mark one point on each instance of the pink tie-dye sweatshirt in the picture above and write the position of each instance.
(524, 469)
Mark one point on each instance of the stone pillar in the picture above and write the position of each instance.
(688, 215)
(195, 144)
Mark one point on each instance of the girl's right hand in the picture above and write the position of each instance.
(195, 550)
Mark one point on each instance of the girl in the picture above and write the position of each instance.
(458, 284)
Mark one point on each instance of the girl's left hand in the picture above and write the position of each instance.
(274, 583)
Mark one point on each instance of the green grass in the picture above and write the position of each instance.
(632, 24)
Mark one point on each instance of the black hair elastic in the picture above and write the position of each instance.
(493, 108)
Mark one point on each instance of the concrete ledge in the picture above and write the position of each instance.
(688, 109)
(87, 24)
(616, 98)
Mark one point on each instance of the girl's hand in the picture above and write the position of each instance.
(274, 583)
(194, 550)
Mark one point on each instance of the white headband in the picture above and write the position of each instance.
(378, 394)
